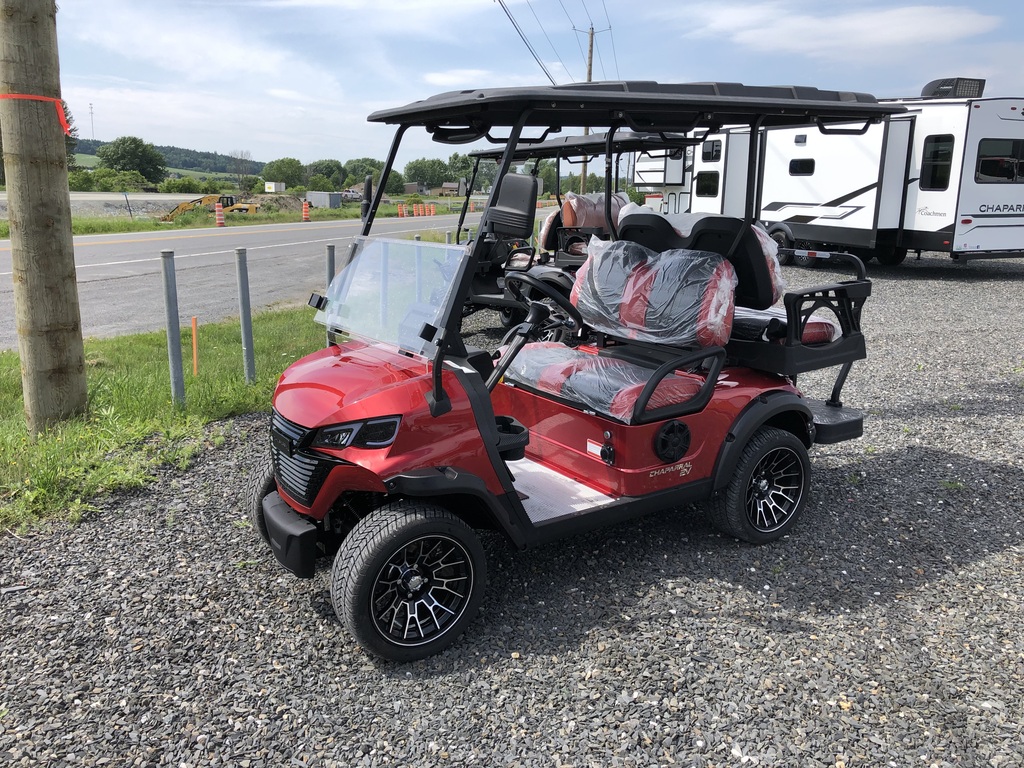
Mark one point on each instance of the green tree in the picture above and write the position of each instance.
(331, 169)
(286, 169)
(187, 185)
(547, 172)
(320, 183)
(80, 181)
(426, 170)
(130, 153)
(459, 167)
(109, 180)
(395, 184)
(360, 168)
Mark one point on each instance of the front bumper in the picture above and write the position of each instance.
(293, 538)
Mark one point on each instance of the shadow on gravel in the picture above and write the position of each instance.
(975, 271)
(873, 532)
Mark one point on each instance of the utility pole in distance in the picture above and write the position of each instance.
(46, 309)
(586, 129)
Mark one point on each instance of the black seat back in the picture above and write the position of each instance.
(513, 214)
(755, 288)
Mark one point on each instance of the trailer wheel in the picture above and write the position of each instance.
(780, 237)
(258, 486)
(768, 490)
(803, 260)
(408, 580)
(891, 258)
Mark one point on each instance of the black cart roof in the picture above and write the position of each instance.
(641, 106)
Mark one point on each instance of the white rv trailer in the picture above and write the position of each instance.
(947, 176)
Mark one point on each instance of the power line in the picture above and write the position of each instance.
(611, 35)
(553, 49)
(526, 42)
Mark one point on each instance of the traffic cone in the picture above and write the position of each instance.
(401, 211)
(218, 212)
(433, 209)
(305, 210)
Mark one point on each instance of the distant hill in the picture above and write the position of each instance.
(188, 159)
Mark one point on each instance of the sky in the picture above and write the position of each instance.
(297, 78)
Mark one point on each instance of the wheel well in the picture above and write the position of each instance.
(792, 421)
(471, 509)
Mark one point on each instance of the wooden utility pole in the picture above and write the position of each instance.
(46, 308)
(586, 129)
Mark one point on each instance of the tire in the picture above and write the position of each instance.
(780, 237)
(768, 489)
(408, 580)
(805, 261)
(261, 483)
(891, 258)
(511, 317)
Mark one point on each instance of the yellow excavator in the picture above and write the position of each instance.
(208, 202)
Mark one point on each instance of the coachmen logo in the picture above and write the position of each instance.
(1001, 208)
(926, 211)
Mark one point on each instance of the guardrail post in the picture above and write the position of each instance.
(330, 265)
(245, 313)
(173, 329)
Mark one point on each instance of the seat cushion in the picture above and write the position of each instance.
(678, 297)
(606, 385)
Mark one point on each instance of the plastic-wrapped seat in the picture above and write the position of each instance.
(677, 300)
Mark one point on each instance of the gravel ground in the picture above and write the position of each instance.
(887, 630)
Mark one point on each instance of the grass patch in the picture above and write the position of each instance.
(132, 427)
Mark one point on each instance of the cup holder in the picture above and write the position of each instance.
(513, 438)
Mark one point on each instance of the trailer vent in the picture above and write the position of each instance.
(954, 88)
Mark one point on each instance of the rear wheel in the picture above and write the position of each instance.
(891, 257)
(768, 490)
(783, 241)
(408, 580)
(260, 484)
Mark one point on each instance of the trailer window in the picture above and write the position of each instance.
(936, 162)
(801, 167)
(1000, 161)
(706, 184)
(711, 151)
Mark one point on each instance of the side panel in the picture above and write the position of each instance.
(990, 216)
(824, 188)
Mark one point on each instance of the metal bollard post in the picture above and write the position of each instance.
(416, 237)
(173, 329)
(245, 312)
(330, 265)
(448, 237)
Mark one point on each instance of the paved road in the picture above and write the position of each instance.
(120, 283)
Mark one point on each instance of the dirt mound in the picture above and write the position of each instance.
(269, 203)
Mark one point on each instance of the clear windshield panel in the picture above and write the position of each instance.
(389, 289)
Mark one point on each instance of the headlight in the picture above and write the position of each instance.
(375, 433)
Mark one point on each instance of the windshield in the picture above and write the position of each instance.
(389, 289)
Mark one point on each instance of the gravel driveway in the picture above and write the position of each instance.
(886, 630)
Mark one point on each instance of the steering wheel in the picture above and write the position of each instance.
(568, 319)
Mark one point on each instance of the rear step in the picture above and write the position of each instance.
(834, 424)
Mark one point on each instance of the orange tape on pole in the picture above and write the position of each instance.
(56, 102)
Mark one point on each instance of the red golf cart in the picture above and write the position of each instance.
(391, 447)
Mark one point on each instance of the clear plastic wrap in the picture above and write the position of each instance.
(678, 297)
(588, 210)
(606, 385)
(771, 325)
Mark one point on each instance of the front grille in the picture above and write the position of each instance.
(300, 473)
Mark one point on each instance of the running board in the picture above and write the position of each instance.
(834, 424)
(547, 495)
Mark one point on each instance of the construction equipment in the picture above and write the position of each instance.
(209, 202)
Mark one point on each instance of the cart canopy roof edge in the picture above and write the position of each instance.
(463, 116)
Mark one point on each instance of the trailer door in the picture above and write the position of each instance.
(990, 213)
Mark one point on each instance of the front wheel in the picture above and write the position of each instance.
(768, 490)
(408, 580)
(260, 484)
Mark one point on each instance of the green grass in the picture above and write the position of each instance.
(132, 426)
(195, 219)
